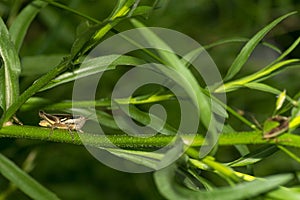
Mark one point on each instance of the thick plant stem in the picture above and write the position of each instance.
(129, 142)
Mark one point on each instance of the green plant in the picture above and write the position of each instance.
(191, 177)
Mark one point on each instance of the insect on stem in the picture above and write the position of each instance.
(62, 121)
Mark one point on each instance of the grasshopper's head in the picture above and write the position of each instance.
(42, 114)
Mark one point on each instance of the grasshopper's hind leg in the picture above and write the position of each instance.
(51, 132)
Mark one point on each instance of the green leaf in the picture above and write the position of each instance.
(280, 100)
(142, 11)
(83, 34)
(245, 53)
(275, 69)
(9, 71)
(23, 181)
(295, 122)
(21, 24)
(153, 160)
(266, 88)
(262, 87)
(261, 75)
(150, 120)
(222, 169)
(206, 183)
(295, 118)
(286, 52)
(196, 52)
(119, 5)
(147, 159)
(185, 76)
(93, 66)
(283, 193)
(171, 189)
(254, 156)
(92, 36)
(296, 109)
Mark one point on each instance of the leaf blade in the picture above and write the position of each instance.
(23, 181)
(93, 66)
(10, 70)
(246, 51)
(20, 25)
(170, 189)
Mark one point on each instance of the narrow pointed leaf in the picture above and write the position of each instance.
(93, 66)
(254, 156)
(245, 53)
(170, 189)
(23, 181)
(21, 24)
(9, 69)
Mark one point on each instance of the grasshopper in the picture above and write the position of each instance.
(62, 121)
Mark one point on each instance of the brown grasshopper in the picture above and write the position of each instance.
(62, 121)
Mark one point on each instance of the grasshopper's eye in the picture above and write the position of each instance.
(41, 113)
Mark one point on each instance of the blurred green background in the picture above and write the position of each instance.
(69, 170)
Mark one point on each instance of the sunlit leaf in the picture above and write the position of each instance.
(9, 70)
(280, 99)
(261, 75)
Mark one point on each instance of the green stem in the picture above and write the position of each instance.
(64, 7)
(125, 141)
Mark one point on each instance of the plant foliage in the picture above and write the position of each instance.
(30, 78)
